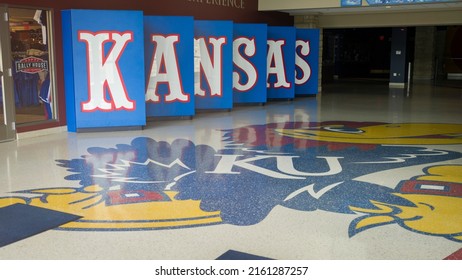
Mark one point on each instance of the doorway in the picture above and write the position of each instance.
(30, 41)
(27, 88)
(357, 54)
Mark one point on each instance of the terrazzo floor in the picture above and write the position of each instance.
(360, 172)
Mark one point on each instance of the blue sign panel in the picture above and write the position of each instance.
(249, 56)
(400, 2)
(306, 61)
(169, 52)
(104, 69)
(281, 62)
(213, 64)
(346, 3)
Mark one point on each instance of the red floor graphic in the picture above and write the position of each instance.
(456, 256)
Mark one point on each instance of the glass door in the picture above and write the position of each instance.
(32, 65)
(7, 107)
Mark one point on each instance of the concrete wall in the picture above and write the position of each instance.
(271, 5)
(453, 17)
(424, 53)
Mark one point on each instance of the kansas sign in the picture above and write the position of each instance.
(120, 72)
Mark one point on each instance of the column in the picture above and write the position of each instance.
(398, 58)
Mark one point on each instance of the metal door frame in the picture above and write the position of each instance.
(8, 126)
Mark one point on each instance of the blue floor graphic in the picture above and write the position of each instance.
(235, 255)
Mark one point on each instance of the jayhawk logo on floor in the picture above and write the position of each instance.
(149, 184)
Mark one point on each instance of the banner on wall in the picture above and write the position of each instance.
(281, 62)
(104, 78)
(249, 57)
(400, 2)
(306, 61)
(213, 64)
(169, 54)
(347, 3)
